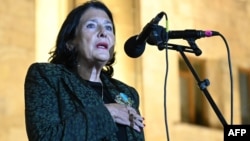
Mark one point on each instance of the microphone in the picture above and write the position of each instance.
(191, 34)
(160, 36)
(135, 45)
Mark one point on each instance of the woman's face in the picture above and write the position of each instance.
(95, 37)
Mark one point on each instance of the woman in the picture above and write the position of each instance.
(74, 97)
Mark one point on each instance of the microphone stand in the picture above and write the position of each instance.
(202, 84)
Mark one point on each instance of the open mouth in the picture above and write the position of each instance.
(102, 45)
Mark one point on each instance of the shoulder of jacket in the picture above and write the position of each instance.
(48, 68)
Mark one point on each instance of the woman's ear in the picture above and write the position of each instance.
(70, 46)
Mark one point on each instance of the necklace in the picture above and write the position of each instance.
(102, 90)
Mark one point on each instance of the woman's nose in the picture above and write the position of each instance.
(102, 32)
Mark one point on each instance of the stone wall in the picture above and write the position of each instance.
(16, 53)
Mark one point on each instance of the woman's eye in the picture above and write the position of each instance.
(109, 27)
(90, 25)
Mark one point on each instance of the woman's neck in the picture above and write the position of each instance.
(91, 73)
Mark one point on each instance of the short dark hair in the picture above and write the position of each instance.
(61, 54)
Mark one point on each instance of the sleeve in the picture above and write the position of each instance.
(41, 107)
(43, 111)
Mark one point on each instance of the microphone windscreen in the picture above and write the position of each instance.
(133, 48)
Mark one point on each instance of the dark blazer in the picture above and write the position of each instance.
(59, 106)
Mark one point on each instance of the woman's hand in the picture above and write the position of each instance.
(126, 115)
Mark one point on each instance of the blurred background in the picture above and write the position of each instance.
(28, 30)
